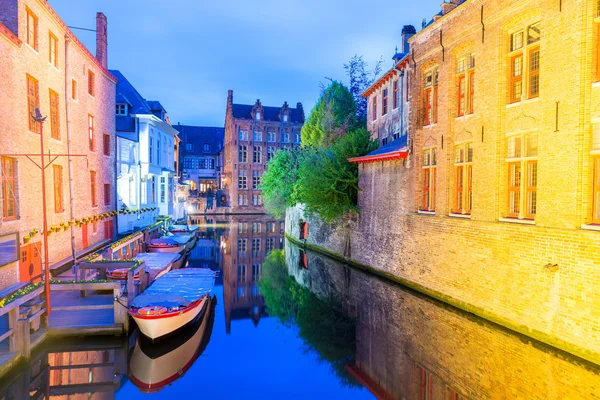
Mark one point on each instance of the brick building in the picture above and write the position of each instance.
(494, 206)
(253, 133)
(43, 65)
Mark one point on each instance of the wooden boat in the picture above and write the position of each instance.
(165, 245)
(172, 301)
(152, 366)
(184, 230)
(189, 240)
(156, 264)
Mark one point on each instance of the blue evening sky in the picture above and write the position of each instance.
(188, 53)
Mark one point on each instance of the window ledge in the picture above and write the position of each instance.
(523, 102)
(429, 126)
(591, 227)
(596, 84)
(463, 216)
(464, 117)
(517, 221)
(424, 212)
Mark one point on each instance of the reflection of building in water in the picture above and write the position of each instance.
(410, 347)
(249, 240)
(70, 370)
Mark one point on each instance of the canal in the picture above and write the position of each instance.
(285, 323)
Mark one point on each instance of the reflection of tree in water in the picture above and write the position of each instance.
(323, 329)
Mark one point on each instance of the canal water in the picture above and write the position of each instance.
(290, 324)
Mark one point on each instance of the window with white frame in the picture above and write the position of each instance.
(465, 76)
(243, 134)
(524, 63)
(242, 179)
(257, 136)
(121, 109)
(431, 96)
(271, 137)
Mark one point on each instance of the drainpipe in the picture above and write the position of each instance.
(401, 99)
(69, 150)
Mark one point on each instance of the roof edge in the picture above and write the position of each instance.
(393, 155)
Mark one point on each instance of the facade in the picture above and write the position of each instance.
(202, 165)
(493, 207)
(43, 65)
(253, 133)
(146, 158)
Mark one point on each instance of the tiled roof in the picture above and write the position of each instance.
(393, 150)
(198, 136)
(244, 111)
(138, 104)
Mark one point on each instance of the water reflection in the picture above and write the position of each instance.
(411, 347)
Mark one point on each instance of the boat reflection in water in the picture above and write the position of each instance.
(152, 366)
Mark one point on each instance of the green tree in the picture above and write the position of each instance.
(333, 113)
(278, 183)
(328, 183)
(360, 79)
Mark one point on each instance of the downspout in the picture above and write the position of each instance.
(69, 150)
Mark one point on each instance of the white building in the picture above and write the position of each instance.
(145, 158)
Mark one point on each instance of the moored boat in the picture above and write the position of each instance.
(184, 230)
(165, 245)
(156, 265)
(189, 240)
(152, 366)
(172, 302)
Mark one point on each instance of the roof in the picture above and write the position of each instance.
(198, 136)
(394, 150)
(401, 62)
(155, 105)
(244, 111)
(125, 123)
(137, 104)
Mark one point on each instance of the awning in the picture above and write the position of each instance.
(395, 150)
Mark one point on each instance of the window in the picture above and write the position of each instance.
(53, 49)
(255, 271)
(285, 137)
(256, 227)
(285, 117)
(59, 204)
(396, 94)
(255, 247)
(153, 188)
(9, 202)
(106, 144)
(151, 150)
(242, 179)
(33, 102)
(431, 97)
(297, 137)
(255, 179)
(595, 153)
(93, 188)
(524, 58)
(257, 115)
(241, 271)
(270, 227)
(189, 146)
(243, 135)
(107, 194)
(242, 200)
(429, 169)
(91, 83)
(242, 246)
(384, 102)
(426, 385)
(257, 136)
(257, 155)
(242, 153)
(374, 107)
(121, 109)
(54, 116)
(91, 131)
(73, 89)
(163, 189)
(463, 172)
(270, 152)
(465, 74)
(271, 136)
(32, 29)
(270, 245)
(256, 199)
(242, 227)
(206, 147)
(522, 193)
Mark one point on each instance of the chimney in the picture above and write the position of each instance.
(101, 39)
(447, 7)
(407, 32)
(300, 110)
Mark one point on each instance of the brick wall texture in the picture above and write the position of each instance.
(18, 61)
(540, 273)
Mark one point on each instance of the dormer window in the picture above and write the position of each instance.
(206, 147)
(121, 109)
(285, 118)
(257, 115)
(189, 146)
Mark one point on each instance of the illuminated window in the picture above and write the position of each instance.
(93, 188)
(271, 137)
(285, 117)
(524, 59)
(431, 96)
(32, 29)
(242, 153)
(465, 74)
(242, 227)
(429, 170)
(463, 173)
(8, 176)
(54, 116)
(595, 154)
(243, 135)
(33, 101)
(522, 176)
(257, 136)
(91, 131)
(53, 49)
(59, 204)
(91, 83)
(384, 102)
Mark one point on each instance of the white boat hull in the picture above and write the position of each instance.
(157, 326)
